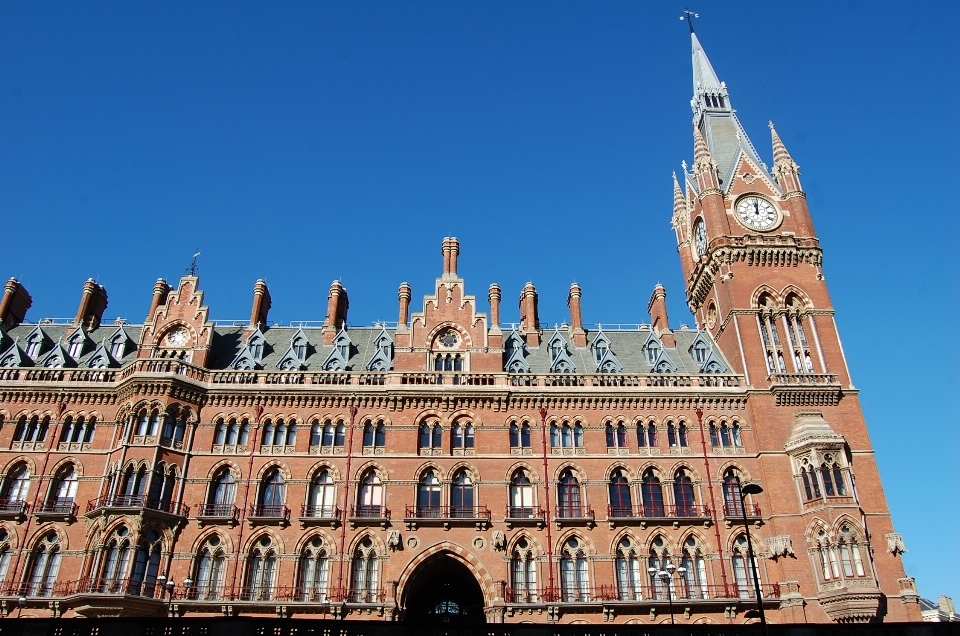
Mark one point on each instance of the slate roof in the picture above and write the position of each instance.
(59, 333)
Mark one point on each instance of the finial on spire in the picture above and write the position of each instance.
(192, 270)
(689, 15)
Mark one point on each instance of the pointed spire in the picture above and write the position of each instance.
(679, 203)
(784, 167)
(702, 159)
(704, 77)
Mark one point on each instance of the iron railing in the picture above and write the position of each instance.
(138, 501)
(574, 512)
(657, 511)
(735, 510)
(680, 590)
(269, 511)
(447, 512)
(369, 512)
(320, 512)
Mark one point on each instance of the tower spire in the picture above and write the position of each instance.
(784, 167)
(679, 203)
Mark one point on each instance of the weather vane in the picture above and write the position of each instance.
(192, 270)
(689, 15)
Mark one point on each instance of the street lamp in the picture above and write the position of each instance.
(753, 489)
(666, 577)
(21, 603)
(166, 585)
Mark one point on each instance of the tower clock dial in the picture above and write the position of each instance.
(757, 214)
(700, 237)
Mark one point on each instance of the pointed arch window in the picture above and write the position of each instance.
(658, 560)
(647, 435)
(146, 567)
(5, 553)
(431, 438)
(16, 487)
(114, 562)
(261, 570)
(364, 588)
(462, 436)
(683, 494)
(44, 566)
(221, 494)
(370, 497)
(616, 436)
(574, 578)
(210, 569)
(523, 572)
(428, 495)
(810, 481)
(374, 437)
(851, 557)
(521, 496)
(519, 437)
(677, 435)
(832, 476)
(621, 503)
(314, 572)
(565, 437)
(461, 495)
(272, 491)
(629, 571)
(63, 490)
(322, 497)
(568, 496)
(744, 567)
(732, 502)
(695, 570)
(327, 437)
(652, 492)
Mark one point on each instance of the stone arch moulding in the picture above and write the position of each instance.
(465, 557)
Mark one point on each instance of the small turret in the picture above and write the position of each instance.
(785, 169)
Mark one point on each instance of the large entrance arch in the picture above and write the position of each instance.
(442, 590)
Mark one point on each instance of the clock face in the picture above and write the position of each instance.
(757, 213)
(700, 237)
(177, 338)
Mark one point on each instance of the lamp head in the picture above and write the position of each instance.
(170, 585)
(751, 489)
(652, 571)
(187, 582)
(670, 568)
(22, 601)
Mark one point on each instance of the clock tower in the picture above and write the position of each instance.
(752, 265)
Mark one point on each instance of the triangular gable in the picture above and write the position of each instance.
(754, 166)
(700, 348)
(560, 361)
(289, 361)
(300, 344)
(340, 356)
(101, 358)
(664, 364)
(77, 338)
(515, 347)
(120, 342)
(382, 359)
(606, 360)
(57, 358)
(255, 345)
(714, 364)
(245, 360)
(39, 338)
(15, 357)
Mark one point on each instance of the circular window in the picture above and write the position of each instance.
(449, 339)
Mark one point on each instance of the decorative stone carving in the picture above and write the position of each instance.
(499, 541)
(908, 590)
(895, 543)
(780, 546)
(393, 540)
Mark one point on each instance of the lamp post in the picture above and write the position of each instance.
(166, 585)
(666, 577)
(752, 489)
(21, 602)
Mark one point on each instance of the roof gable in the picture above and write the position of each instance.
(560, 361)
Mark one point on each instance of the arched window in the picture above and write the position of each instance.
(652, 493)
(811, 483)
(16, 487)
(735, 435)
(322, 498)
(651, 435)
(44, 566)
(370, 498)
(222, 492)
(261, 570)
(521, 496)
(431, 438)
(114, 562)
(833, 483)
(368, 435)
(272, 490)
(744, 576)
(458, 436)
(154, 423)
(63, 490)
(514, 435)
(461, 496)
(628, 568)
(658, 560)
(714, 438)
(147, 564)
(683, 494)
(365, 573)
(574, 579)
(210, 568)
(5, 553)
(621, 504)
(616, 436)
(428, 495)
(314, 572)
(695, 570)
(671, 435)
(266, 438)
(682, 435)
(732, 502)
(566, 436)
(568, 496)
(220, 433)
(143, 421)
(829, 562)
(850, 556)
(523, 573)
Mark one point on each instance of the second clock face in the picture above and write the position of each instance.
(700, 237)
(757, 213)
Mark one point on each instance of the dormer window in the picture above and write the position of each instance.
(556, 347)
(599, 350)
(75, 347)
(653, 351)
(117, 348)
(700, 352)
(33, 345)
(256, 347)
(300, 348)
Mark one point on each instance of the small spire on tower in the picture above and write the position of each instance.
(679, 203)
(785, 169)
(702, 159)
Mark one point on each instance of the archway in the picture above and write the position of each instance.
(443, 590)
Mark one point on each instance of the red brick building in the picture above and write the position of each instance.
(451, 467)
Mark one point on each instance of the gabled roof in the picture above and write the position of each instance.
(101, 358)
(608, 362)
(340, 355)
(57, 358)
(245, 360)
(561, 362)
(515, 348)
(382, 359)
(14, 356)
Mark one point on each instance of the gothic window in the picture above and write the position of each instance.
(652, 493)
(658, 560)
(79, 430)
(683, 494)
(431, 438)
(133, 483)
(221, 494)
(616, 435)
(327, 437)
(272, 490)
(569, 496)
(370, 497)
(63, 490)
(44, 566)
(261, 570)
(621, 503)
(628, 568)
(810, 481)
(574, 578)
(519, 435)
(448, 362)
(75, 344)
(114, 562)
(653, 348)
(770, 336)
(34, 342)
(428, 495)
(118, 344)
(314, 572)
(832, 475)
(674, 436)
(695, 574)
(255, 344)
(33, 431)
(374, 435)
(16, 486)
(462, 435)
(700, 351)
(5, 553)
(461, 495)
(521, 496)
(566, 436)
(210, 568)
(365, 582)
(647, 435)
(725, 435)
(744, 567)
(322, 496)
(146, 565)
(732, 502)
(523, 572)
(851, 558)
(827, 555)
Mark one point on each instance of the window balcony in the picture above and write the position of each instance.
(60, 509)
(806, 389)
(268, 515)
(641, 593)
(574, 515)
(733, 514)
(135, 504)
(524, 516)
(13, 509)
(658, 515)
(319, 516)
(368, 515)
(217, 514)
(447, 516)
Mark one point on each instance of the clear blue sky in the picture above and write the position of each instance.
(306, 142)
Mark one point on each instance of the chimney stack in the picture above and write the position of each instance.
(450, 250)
(494, 298)
(404, 295)
(529, 320)
(577, 334)
(261, 304)
(14, 304)
(160, 291)
(337, 305)
(93, 302)
(658, 316)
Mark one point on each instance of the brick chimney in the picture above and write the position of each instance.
(494, 297)
(261, 304)
(658, 316)
(337, 305)
(14, 304)
(450, 250)
(160, 291)
(529, 320)
(93, 302)
(403, 295)
(577, 334)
